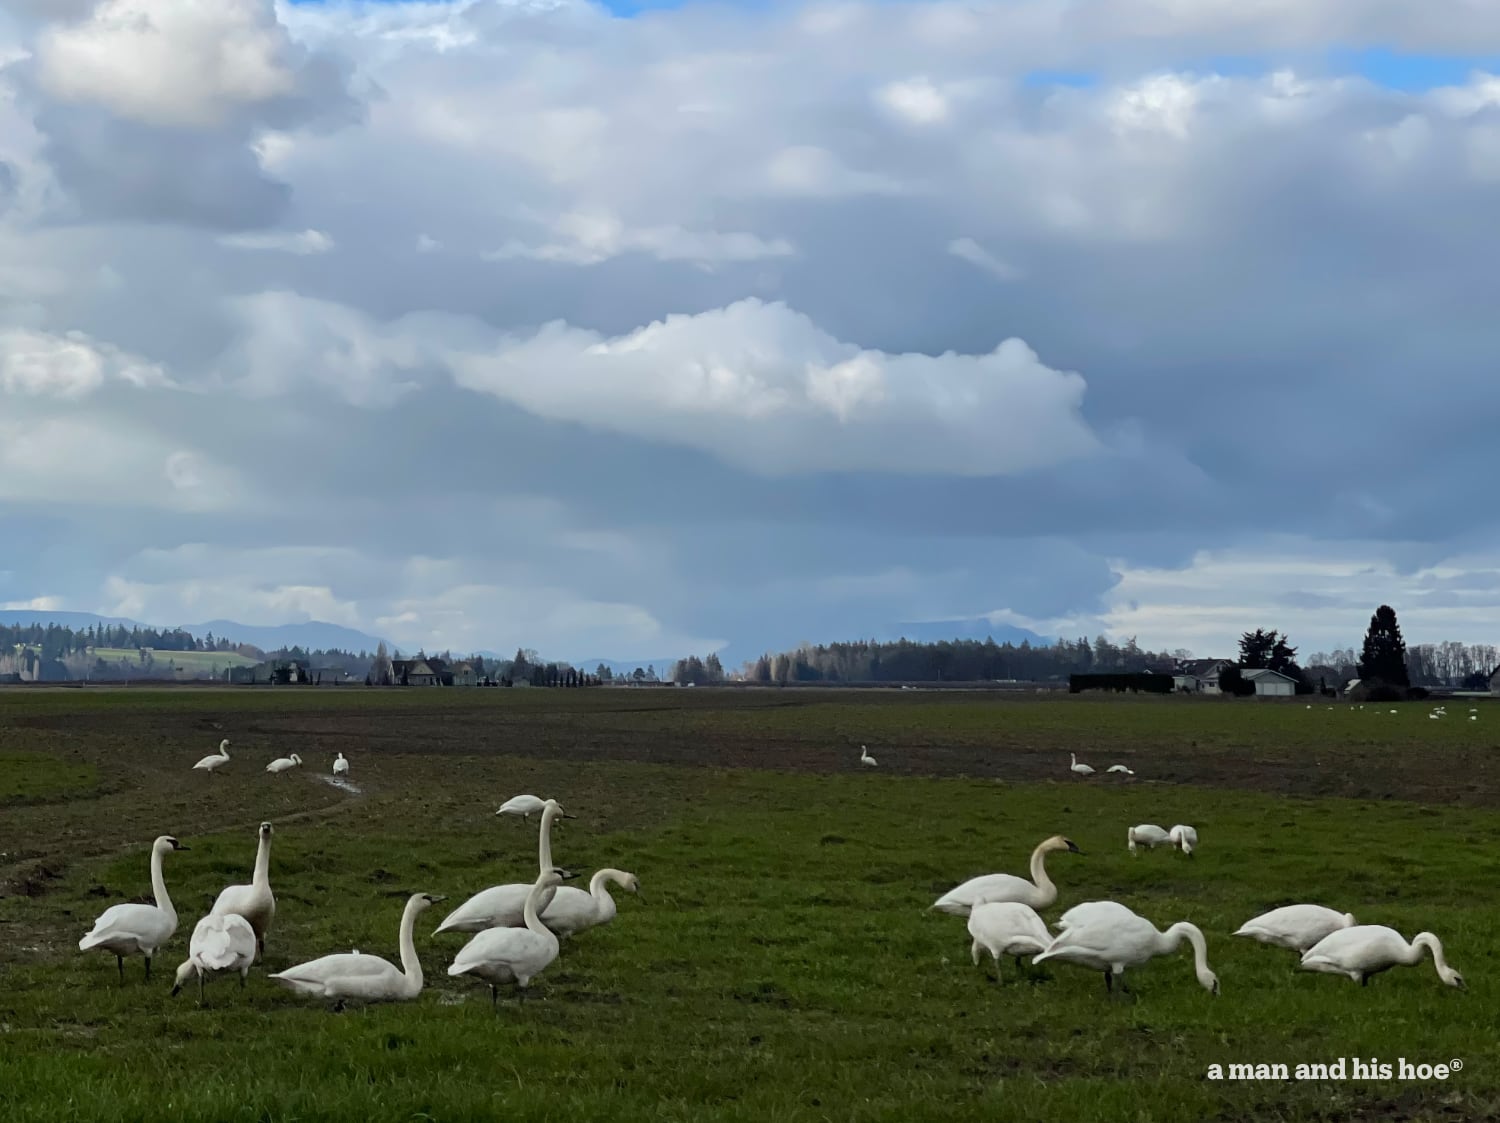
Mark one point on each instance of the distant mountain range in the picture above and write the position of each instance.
(310, 636)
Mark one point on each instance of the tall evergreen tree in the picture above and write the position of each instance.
(1383, 656)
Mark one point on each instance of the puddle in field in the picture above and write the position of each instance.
(342, 784)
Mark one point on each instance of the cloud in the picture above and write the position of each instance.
(967, 249)
(302, 243)
(590, 238)
(70, 366)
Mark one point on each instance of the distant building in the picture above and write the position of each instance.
(415, 672)
(1269, 683)
(1495, 681)
(1200, 676)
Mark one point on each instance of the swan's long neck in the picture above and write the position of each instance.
(599, 885)
(1427, 940)
(159, 883)
(262, 877)
(544, 840)
(1046, 891)
(411, 966)
(1171, 940)
(533, 921)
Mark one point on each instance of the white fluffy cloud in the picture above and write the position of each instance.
(69, 366)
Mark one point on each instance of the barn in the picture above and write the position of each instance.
(1271, 684)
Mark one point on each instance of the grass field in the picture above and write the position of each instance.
(194, 661)
(783, 964)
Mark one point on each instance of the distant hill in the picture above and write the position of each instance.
(311, 636)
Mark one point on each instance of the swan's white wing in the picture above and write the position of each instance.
(345, 965)
(988, 887)
(500, 906)
(146, 925)
(221, 942)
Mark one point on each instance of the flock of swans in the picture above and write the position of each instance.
(215, 761)
(516, 930)
(1004, 918)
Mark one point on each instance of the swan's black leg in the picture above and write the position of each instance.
(242, 980)
(120, 963)
(200, 988)
(1364, 980)
(1109, 982)
(494, 997)
(148, 968)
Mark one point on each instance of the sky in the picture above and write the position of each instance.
(637, 330)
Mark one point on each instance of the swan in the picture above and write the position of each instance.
(216, 760)
(255, 902)
(284, 763)
(219, 943)
(1295, 927)
(1147, 834)
(865, 757)
(523, 805)
(365, 978)
(572, 910)
(1185, 838)
(1006, 928)
(1119, 768)
(1112, 939)
(1039, 893)
(132, 929)
(513, 955)
(341, 765)
(1081, 769)
(504, 906)
(1368, 949)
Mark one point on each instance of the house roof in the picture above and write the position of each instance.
(1202, 667)
(1264, 672)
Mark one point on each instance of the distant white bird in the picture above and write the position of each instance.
(135, 929)
(1081, 769)
(513, 955)
(214, 761)
(864, 755)
(1295, 927)
(523, 805)
(1039, 892)
(219, 943)
(572, 909)
(364, 978)
(1119, 768)
(341, 765)
(1368, 949)
(1434, 717)
(504, 906)
(284, 763)
(1185, 838)
(1109, 937)
(255, 902)
(1006, 928)
(1473, 717)
(1148, 835)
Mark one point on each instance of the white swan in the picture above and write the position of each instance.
(1081, 769)
(1006, 928)
(865, 757)
(219, 943)
(504, 906)
(1112, 939)
(215, 761)
(255, 902)
(1295, 927)
(1119, 768)
(365, 978)
(572, 910)
(284, 763)
(1368, 949)
(135, 929)
(513, 955)
(1039, 892)
(1185, 838)
(1148, 835)
(523, 805)
(341, 765)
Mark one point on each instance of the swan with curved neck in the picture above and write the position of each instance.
(361, 977)
(504, 906)
(215, 761)
(1039, 892)
(513, 955)
(255, 902)
(1108, 937)
(134, 929)
(1006, 928)
(1368, 949)
(572, 910)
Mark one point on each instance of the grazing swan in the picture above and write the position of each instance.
(134, 929)
(1112, 939)
(255, 902)
(1120, 768)
(865, 757)
(284, 763)
(1295, 927)
(504, 906)
(219, 943)
(1148, 835)
(513, 955)
(365, 978)
(1368, 949)
(341, 765)
(215, 761)
(1081, 769)
(1039, 893)
(1006, 928)
(523, 805)
(572, 910)
(1185, 838)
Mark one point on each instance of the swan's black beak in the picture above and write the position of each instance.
(1073, 846)
(565, 815)
(180, 846)
(175, 989)
(434, 898)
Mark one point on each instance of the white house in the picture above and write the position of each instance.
(1200, 675)
(1271, 684)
